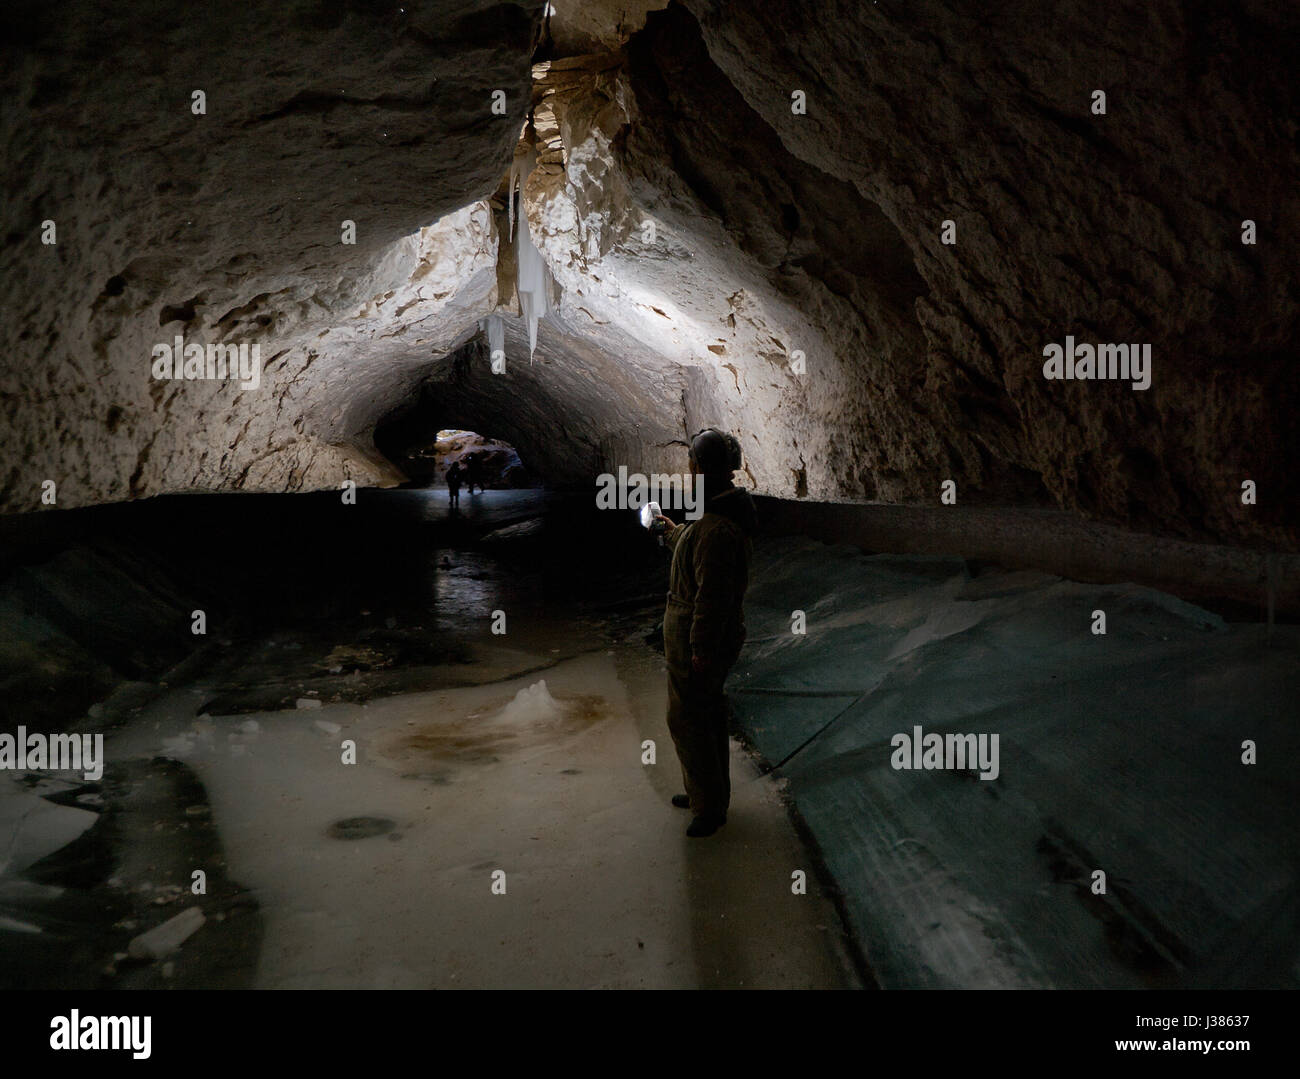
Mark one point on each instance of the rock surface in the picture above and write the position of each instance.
(1122, 227)
(227, 227)
(703, 239)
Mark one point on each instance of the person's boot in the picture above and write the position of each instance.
(683, 801)
(706, 824)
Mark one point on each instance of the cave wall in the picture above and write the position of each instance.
(228, 227)
(1122, 227)
(774, 232)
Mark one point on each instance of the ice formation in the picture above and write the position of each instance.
(532, 705)
(532, 280)
(162, 940)
(495, 327)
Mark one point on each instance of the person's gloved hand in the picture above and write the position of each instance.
(699, 665)
(664, 523)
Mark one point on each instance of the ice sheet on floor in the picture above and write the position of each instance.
(1119, 752)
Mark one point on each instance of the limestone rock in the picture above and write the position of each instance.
(716, 255)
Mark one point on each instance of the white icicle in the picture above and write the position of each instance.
(496, 335)
(532, 281)
(520, 169)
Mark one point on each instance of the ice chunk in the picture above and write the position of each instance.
(532, 705)
(180, 746)
(31, 827)
(164, 939)
(307, 702)
(12, 925)
(328, 727)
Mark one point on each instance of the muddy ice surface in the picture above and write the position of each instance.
(510, 760)
(515, 760)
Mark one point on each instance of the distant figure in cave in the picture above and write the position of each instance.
(474, 472)
(704, 626)
(453, 485)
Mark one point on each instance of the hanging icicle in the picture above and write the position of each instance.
(532, 279)
(520, 169)
(532, 284)
(496, 335)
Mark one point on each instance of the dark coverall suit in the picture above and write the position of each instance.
(453, 484)
(705, 617)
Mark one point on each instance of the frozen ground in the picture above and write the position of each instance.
(1120, 752)
(545, 785)
(525, 758)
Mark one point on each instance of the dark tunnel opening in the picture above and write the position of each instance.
(425, 449)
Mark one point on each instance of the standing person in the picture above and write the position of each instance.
(704, 627)
(453, 485)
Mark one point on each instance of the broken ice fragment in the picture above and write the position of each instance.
(12, 925)
(164, 939)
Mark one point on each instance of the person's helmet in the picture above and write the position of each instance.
(715, 452)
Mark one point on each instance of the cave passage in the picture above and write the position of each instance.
(497, 684)
(423, 448)
(994, 315)
(482, 745)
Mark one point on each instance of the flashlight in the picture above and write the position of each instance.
(649, 512)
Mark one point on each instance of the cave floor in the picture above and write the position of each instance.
(601, 887)
(383, 873)
(493, 832)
